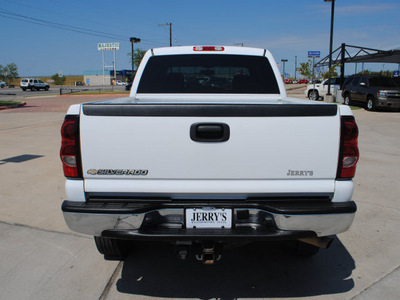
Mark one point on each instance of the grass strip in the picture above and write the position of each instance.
(9, 103)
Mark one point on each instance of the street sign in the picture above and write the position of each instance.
(107, 46)
(314, 53)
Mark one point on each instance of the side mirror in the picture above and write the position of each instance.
(363, 84)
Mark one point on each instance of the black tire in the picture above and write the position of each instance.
(110, 248)
(370, 106)
(346, 100)
(24, 89)
(313, 95)
(33, 89)
(46, 88)
(303, 249)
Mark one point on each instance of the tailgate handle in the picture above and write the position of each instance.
(209, 132)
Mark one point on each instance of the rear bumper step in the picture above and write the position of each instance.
(233, 234)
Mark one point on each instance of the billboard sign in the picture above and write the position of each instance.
(108, 46)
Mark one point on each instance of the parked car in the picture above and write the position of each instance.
(372, 92)
(119, 82)
(33, 84)
(78, 83)
(3, 84)
(319, 90)
(302, 81)
(288, 81)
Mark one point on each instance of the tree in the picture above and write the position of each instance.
(58, 80)
(331, 73)
(1, 72)
(137, 56)
(306, 69)
(8, 73)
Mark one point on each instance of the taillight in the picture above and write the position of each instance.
(70, 152)
(208, 48)
(349, 155)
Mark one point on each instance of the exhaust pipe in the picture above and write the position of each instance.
(321, 242)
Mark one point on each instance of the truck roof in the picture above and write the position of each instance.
(209, 50)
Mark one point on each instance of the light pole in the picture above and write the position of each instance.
(283, 61)
(133, 40)
(330, 45)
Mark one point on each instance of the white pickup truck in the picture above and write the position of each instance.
(208, 150)
(319, 90)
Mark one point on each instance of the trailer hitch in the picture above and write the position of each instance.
(208, 252)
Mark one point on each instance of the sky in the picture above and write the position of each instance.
(287, 28)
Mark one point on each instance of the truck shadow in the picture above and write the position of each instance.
(258, 270)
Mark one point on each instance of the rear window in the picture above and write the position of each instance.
(24, 80)
(208, 73)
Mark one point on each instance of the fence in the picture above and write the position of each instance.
(71, 90)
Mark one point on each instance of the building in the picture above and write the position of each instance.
(97, 78)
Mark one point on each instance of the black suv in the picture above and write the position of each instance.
(373, 92)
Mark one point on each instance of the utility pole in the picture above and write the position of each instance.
(170, 32)
(330, 45)
(295, 67)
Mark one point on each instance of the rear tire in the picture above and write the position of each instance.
(33, 89)
(46, 88)
(313, 95)
(110, 248)
(24, 89)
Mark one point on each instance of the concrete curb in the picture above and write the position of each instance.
(13, 106)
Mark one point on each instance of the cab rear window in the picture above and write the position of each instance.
(208, 73)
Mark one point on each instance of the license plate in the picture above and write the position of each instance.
(208, 218)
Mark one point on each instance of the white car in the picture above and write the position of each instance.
(319, 90)
(3, 84)
(119, 82)
(33, 84)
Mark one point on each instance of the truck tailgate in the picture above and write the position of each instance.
(270, 148)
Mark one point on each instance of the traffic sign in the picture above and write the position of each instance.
(314, 53)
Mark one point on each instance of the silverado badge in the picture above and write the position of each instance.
(118, 172)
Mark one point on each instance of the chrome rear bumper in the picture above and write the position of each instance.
(127, 220)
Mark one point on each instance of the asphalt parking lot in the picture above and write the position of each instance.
(42, 259)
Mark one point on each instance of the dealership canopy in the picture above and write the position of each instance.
(361, 55)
